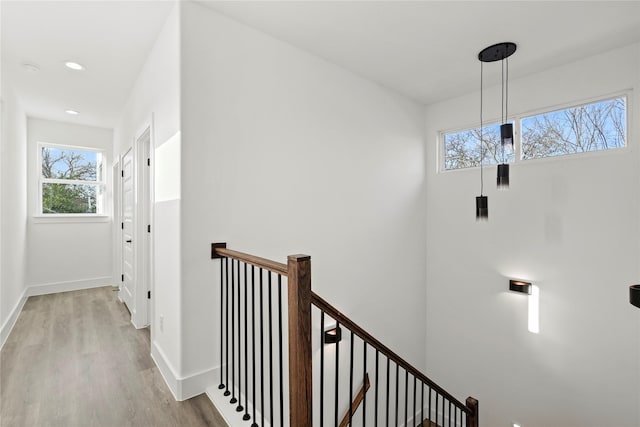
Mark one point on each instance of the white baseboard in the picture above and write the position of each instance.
(182, 388)
(13, 317)
(76, 285)
(228, 411)
(167, 372)
(197, 383)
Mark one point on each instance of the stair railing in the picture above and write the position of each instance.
(253, 371)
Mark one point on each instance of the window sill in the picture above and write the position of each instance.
(72, 218)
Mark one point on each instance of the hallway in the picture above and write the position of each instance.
(74, 359)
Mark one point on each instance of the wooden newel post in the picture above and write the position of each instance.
(300, 365)
(472, 404)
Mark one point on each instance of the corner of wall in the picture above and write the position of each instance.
(182, 388)
(8, 325)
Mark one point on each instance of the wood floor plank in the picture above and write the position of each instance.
(75, 360)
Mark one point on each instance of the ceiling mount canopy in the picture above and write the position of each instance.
(497, 52)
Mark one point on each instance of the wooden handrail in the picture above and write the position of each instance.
(369, 339)
(264, 263)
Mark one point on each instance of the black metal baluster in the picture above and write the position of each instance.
(449, 413)
(414, 397)
(351, 379)
(437, 397)
(364, 384)
(387, 411)
(253, 339)
(429, 404)
(226, 321)
(261, 350)
(321, 367)
(221, 386)
(239, 408)
(246, 415)
(270, 353)
(406, 395)
(421, 402)
(337, 377)
(280, 349)
(233, 335)
(397, 388)
(375, 400)
(455, 416)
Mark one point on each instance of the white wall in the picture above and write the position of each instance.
(74, 252)
(284, 153)
(155, 100)
(569, 225)
(13, 212)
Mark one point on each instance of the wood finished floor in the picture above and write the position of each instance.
(75, 359)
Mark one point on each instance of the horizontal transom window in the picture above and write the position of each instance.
(594, 126)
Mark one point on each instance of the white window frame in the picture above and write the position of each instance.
(517, 131)
(100, 183)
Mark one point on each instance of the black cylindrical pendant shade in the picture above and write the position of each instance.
(634, 295)
(482, 207)
(503, 175)
(506, 134)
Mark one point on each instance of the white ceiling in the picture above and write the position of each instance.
(426, 50)
(111, 38)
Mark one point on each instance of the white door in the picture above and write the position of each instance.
(143, 240)
(127, 290)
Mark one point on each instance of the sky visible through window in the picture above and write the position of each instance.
(595, 126)
(70, 181)
(590, 127)
(62, 163)
(463, 148)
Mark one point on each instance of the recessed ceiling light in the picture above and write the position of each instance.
(74, 65)
(72, 112)
(30, 67)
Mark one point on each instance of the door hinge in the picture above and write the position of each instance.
(122, 173)
(122, 225)
(149, 161)
(148, 294)
(122, 278)
(149, 228)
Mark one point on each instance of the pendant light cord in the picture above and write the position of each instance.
(502, 113)
(506, 104)
(481, 140)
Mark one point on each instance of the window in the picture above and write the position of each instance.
(600, 125)
(462, 149)
(590, 127)
(71, 180)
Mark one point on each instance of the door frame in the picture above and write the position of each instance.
(143, 149)
(117, 221)
(142, 146)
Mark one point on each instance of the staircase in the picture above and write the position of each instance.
(335, 372)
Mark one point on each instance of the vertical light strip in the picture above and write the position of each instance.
(534, 310)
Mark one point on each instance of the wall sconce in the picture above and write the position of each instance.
(333, 335)
(634, 295)
(520, 286)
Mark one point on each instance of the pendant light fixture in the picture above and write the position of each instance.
(482, 202)
(501, 52)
